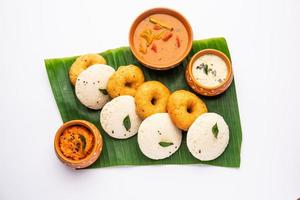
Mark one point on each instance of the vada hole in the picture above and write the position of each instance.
(153, 101)
(189, 109)
(128, 84)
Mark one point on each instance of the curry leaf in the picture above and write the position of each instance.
(103, 91)
(82, 138)
(165, 144)
(127, 122)
(206, 69)
(215, 130)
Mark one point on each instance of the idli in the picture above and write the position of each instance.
(208, 136)
(158, 137)
(119, 119)
(90, 87)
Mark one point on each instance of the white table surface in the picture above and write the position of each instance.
(263, 37)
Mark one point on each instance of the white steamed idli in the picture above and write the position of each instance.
(208, 136)
(158, 137)
(119, 119)
(90, 87)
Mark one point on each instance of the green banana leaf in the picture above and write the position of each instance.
(127, 152)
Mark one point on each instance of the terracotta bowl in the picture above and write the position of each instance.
(203, 90)
(172, 13)
(89, 159)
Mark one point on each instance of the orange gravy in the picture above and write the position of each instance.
(165, 46)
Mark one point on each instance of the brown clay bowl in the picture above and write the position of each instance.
(201, 89)
(89, 159)
(166, 11)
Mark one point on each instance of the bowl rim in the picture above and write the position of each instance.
(217, 53)
(161, 10)
(92, 128)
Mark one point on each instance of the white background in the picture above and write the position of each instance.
(263, 37)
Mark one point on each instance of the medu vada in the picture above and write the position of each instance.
(184, 107)
(151, 97)
(125, 81)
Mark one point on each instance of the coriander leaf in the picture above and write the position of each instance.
(215, 130)
(127, 123)
(165, 144)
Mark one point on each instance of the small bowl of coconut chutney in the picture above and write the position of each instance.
(209, 72)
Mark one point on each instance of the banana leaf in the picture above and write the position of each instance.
(126, 152)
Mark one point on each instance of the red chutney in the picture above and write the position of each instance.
(160, 39)
(76, 142)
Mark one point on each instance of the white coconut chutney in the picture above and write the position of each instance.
(209, 70)
(208, 136)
